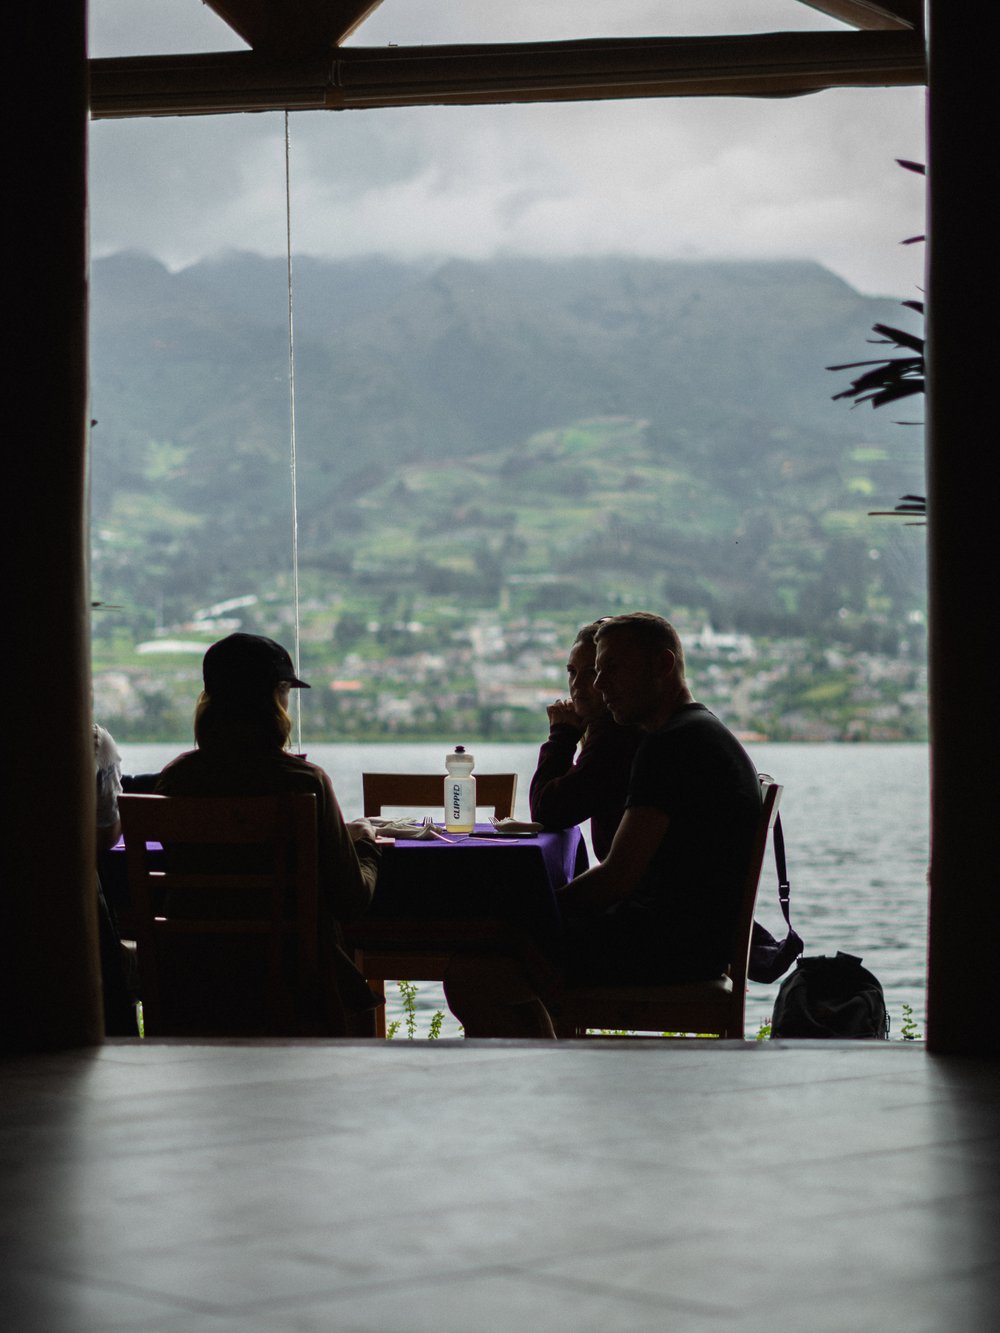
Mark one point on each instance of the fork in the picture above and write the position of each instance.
(429, 823)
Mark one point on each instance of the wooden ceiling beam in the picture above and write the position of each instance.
(756, 65)
(293, 27)
(873, 13)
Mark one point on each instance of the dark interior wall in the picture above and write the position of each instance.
(963, 476)
(49, 992)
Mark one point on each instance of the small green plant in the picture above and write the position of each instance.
(763, 1032)
(408, 995)
(631, 1032)
(908, 1029)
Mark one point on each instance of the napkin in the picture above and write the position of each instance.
(516, 826)
(405, 828)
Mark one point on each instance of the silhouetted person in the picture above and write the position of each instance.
(116, 969)
(664, 904)
(569, 788)
(242, 728)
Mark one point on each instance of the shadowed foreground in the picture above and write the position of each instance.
(404, 1188)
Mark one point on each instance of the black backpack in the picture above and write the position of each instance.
(830, 997)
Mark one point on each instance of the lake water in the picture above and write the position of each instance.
(855, 819)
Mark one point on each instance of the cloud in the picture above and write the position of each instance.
(158, 27)
(809, 177)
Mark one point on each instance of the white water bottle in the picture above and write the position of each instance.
(459, 792)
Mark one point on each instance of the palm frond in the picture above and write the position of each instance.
(900, 337)
(909, 506)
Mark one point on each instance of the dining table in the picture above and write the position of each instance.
(480, 893)
(443, 886)
(441, 894)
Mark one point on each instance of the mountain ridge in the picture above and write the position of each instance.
(458, 372)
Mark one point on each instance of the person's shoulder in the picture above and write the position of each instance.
(184, 756)
(303, 772)
(681, 720)
(691, 727)
(690, 714)
(177, 767)
(183, 759)
(298, 763)
(689, 719)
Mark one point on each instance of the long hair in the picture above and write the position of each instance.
(258, 719)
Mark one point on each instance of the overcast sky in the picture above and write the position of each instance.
(811, 177)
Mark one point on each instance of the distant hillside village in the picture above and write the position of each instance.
(491, 678)
(489, 455)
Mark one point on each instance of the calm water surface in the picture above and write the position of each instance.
(856, 836)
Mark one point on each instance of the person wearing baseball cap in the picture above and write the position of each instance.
(242, 729)
(244, 663)
(247, 681)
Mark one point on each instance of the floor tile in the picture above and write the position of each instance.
(174, 1188)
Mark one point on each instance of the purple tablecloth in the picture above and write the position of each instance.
(506, 879)
(511, 880)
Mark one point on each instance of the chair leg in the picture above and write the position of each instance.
(377, 984)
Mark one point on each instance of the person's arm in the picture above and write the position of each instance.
(640, 833)
(349, 867)
(107, 761)
(108, 835)
(555, 762)
(593, 786)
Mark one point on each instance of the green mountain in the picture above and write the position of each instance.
(536, 434)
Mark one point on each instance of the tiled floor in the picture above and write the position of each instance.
(453, 1187)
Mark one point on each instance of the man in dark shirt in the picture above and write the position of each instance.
(594, 787)
(663, 905)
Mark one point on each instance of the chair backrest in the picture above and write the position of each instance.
(226, 914)
(426, 790)
(770, 796)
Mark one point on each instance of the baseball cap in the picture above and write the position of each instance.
(242, 662)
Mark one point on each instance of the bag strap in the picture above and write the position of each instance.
(778, 842)
(784, 888)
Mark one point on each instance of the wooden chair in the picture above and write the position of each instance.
(426, 791)
(379, 948)
(714, 1008)
(226, 951)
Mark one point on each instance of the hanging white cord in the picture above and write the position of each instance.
(291, 432)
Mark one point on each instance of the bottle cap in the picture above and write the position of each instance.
(461, 757)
